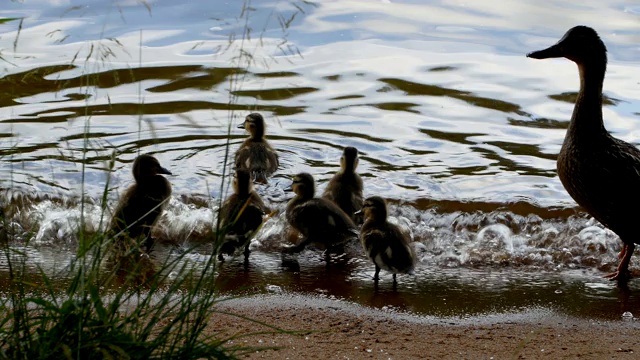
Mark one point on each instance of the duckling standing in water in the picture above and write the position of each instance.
(318, 220)
(241, 215)
(345, 188)
(600, 172)
(385, 244)
(142, 204)
(255, 153)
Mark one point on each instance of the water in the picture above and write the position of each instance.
(455, 127)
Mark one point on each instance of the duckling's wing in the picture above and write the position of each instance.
(243, 158)
(323, 215)
(256, 201)
(136, 213)
(273, 159)
(388, 249)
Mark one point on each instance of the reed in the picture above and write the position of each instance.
(124, 307)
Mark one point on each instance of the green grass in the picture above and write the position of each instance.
(120, 307)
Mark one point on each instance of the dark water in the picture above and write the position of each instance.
(455, 127)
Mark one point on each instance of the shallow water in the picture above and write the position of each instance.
(455, 127)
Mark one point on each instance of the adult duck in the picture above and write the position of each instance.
(345, 187)
(318, 220)
(241, 215)
(600, 172)
(142, 204)
(385, 243)
(255, 154)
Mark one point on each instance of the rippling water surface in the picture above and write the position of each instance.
(455, 127)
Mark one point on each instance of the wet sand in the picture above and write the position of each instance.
(335, 329)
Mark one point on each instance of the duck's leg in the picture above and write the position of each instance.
(376, 276)
(394, 279)
(622, 272)
(220, 257)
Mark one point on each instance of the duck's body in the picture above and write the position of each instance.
(256, 154)
(345, 187)
(385, 243)
(142, 204)
(600, 172)
(318, 220)
(241, 215)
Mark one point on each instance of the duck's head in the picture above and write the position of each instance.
(374, 208)
(349, 159)
(581, 44)
(304, 185)
(146, 166)
(254, 124)
(242, 184)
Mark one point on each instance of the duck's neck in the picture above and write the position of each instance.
(587, 113)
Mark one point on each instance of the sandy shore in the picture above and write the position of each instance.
(334, 329)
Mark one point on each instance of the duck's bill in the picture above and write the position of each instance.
(164, 171)
(554, 51)
(241, 126)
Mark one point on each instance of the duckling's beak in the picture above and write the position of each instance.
(162, 170)
(554, 51)
(241, 126)
(289, 188)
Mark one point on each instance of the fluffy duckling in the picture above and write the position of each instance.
(142, 204)
(318, 220)
(385, 244)
(600, 172)
(345, 188)
(241, 215)
(255, 153)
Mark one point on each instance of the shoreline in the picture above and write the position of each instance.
(338, 329)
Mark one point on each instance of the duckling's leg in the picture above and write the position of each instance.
(246, 252)
(327, 256)
(622, 273)
(376, 276)
(395, 282)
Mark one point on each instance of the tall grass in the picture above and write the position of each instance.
(128, 307)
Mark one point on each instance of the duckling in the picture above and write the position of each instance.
(142, 204)
(255, 153)
(318, 220)
(599, 171)
(241, 215)
(345, 187)
(385, 243)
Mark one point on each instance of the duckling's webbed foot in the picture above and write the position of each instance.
(296, 248)
(293, 249)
